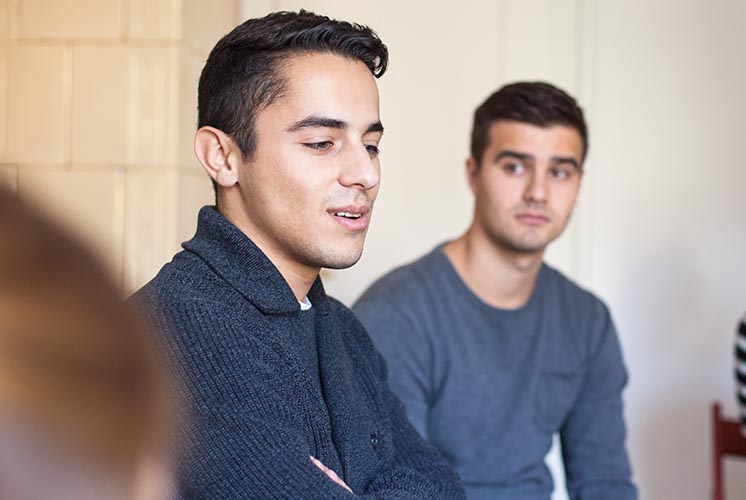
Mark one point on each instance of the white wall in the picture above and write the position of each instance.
(659, 231)
(666, 238)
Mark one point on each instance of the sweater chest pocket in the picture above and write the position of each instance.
(556, 395)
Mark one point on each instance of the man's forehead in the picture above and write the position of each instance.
(299, 69)
(509, 133)
(326, 85)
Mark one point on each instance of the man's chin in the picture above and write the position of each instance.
(340, 258)
(528, 247)
(340, 262)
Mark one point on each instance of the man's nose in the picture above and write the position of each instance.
(359, 169)
(536, 189)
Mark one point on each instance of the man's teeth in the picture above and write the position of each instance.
(347, 215)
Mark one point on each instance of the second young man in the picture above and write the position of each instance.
(491, 350)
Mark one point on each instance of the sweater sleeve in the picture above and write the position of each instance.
(593, 435)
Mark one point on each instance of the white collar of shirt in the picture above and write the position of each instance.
(305, 305)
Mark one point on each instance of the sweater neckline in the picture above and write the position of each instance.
(445, 263)
(237, 260)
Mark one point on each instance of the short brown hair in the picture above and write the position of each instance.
(537, 103)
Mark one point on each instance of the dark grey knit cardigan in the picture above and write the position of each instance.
(230, 320)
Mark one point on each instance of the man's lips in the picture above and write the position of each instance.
(351, 217)
(532, 218)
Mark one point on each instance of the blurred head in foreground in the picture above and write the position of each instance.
(81, 390)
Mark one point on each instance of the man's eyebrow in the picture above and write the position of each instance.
(507, 153)
(325, 122)
(555, 160)
(561, 160)
(375, 127)
(318, 121)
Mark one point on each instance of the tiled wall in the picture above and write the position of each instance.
(97, 115)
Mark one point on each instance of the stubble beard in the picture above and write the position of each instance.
(519, 244)
(528, 242)
(328, 256)
(522, 242)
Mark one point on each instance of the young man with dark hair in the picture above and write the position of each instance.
(491, 350)
(290, 399)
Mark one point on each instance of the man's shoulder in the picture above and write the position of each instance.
(405, 283)
(185, 287)
(573, 295)
(185, 278)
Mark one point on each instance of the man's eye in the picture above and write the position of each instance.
(514, 168)
(559, 173)
(319, 146)
(372, 150)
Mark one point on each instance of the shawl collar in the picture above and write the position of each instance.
(238, 261)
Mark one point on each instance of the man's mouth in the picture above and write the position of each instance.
(352, 217)
(533, 218)
(348, 215)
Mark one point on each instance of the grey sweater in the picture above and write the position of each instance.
(234, 326)
(489, 387)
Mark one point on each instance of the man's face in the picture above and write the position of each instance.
(309, 189)
(526, 184)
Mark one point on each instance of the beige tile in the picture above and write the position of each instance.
(191, 66)
(149, 224)
(71, 19)
(3, 96)
(125, 105)
(154, 19)
(37, 103)
(100, 105)
(10, 19)
(5, 13)
(90, 203)
(195, 191)
(204, 23)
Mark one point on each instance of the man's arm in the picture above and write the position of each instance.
(593, 436)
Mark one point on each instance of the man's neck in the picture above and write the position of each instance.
(298, 276)
(499, 277)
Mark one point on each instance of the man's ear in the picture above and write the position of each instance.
(218, 154)
(472, 172)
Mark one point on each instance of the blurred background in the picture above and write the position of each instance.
(98, 111)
